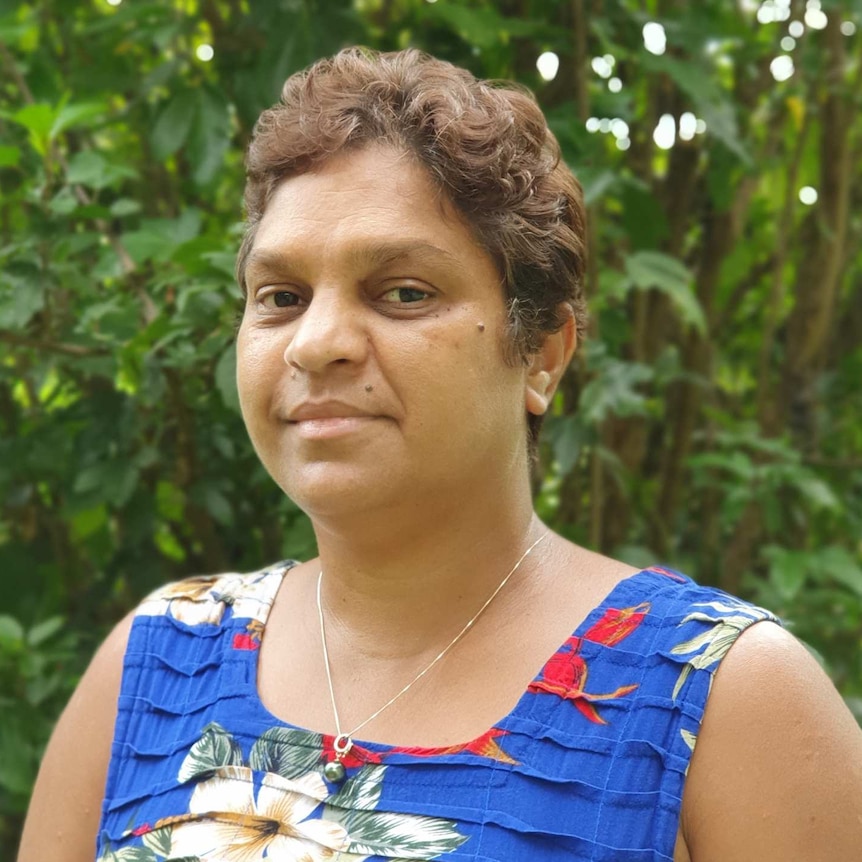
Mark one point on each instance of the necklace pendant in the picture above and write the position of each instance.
(342, 744)
(334, 772)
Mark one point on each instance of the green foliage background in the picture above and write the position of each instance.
(711, 422)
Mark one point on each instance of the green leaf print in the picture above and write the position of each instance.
(214, 749)
(287, 752)
(689, 738)
(717, 640)
(159, 841)
(128, 854)
(375, 833)
(362, 791)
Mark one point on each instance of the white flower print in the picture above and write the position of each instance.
(228, 824)
(203, 600)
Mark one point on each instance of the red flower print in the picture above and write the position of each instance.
(485, 745)
(243, 640)
(357, 756)
(616, 625)
(667, 573)
(142, 830)
(565, 675)
(250, 638)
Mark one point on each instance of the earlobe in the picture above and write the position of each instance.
(539, 392)
(548, 364)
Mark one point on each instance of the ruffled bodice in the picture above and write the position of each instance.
(589, 765)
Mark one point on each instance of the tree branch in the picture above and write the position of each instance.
(51, 346)
(20, 80)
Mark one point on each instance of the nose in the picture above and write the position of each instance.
(330, 330)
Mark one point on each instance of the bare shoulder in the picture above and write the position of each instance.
(63, 817)
(585, 576)
(777, 772)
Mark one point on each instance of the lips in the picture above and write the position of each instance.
(310, 411)
(330, 420)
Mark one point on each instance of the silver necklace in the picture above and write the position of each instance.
(334, 770)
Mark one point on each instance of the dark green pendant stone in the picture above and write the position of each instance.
(334, 772)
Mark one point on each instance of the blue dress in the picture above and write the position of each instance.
(589, 765)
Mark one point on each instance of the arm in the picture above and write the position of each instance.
(64, 812)
(777, 772)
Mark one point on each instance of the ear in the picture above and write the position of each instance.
(548, 364)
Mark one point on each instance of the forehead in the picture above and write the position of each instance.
(377, 204)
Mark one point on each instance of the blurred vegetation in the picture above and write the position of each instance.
(712, 421)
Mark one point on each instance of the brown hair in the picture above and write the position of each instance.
(486, 145)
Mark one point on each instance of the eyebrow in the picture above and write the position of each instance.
(374, 253)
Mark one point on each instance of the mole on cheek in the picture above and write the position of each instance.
(480, 327)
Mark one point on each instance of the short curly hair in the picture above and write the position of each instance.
(485, 144)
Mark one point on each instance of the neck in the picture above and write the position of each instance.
(406, 588)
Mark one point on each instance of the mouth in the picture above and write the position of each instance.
(331, 427)
(326, 420)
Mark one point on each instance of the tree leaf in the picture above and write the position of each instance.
(737, 464)
(20, 300)
(17, 762)
(173, 124)
(44, 630)
(596, 183)
(652, 269)
(225, 378)
(209, 496)
(113, 481)
(612, 391)
(9, 157)
(156, 238)
(482, 26)
(37, 119)
(125, 207)
(11, 631)
(816, 491)
(710, 102)
(788, 571)
(92, 169)
(642, 216)
(210, 136)
(840, 564)
(568, 435)
(76, 114)
(40, 688)
(64, 202)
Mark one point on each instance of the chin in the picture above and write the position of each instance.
(327, 490)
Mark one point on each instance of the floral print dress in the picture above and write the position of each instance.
(589, 765)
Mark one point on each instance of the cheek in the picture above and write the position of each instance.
(258, 364)
(465, 371)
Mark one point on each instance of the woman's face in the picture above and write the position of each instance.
(371, 370)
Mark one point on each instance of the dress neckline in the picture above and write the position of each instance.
(616, 597)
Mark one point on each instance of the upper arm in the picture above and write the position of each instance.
(777, 771)
(63, 817)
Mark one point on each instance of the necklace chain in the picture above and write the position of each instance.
(344, 741)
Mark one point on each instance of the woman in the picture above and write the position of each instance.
(412, 274)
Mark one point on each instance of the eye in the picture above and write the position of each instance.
(279, 299)
(405, 295)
